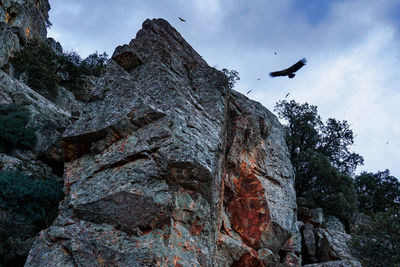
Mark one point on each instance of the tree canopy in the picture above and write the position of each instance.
(321, 158)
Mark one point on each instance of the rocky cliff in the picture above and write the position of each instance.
(20, 21)
(168, 166)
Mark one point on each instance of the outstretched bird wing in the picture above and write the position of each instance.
(278, 73)
(297, 66)
(181, 19)
(289, 70)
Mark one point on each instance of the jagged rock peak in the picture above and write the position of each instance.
(157, 40)
(169, 167)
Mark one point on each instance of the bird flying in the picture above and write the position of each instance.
(249, 92)
(181, 19)
(289, 71)
(287, 95)
(258, 79)
(275, 53)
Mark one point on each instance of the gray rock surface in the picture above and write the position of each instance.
(21, 21)
(309, 212)
(49, 120)
(358, 221)
(309, 249)
(344, 263)
(169, 167)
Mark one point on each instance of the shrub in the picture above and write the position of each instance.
(13, 130)
(72, 69)
(35, 199)
(93, 64)
(39, 63)
(379, 244)
(377, 192)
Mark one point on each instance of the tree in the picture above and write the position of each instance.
(377, 192)
(321, 158)
(379, 244)
(232, 76)
(72, 69)
(14, 132)
(39, 63)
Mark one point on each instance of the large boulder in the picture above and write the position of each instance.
(169, 167)
(332, 241)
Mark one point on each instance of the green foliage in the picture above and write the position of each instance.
(379, 244)
(35, 199)
(13, 130)
(73, 68)
(93, 64)
(324, 184)
(321, 158)
(232, 76)
(44, 70)
(15, 232)
(377, 192)
(39, 63)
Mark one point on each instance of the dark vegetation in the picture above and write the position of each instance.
(44, 70)
(14, 132)
(324, 168)
(232, 76)
(38, 63)
(35, 199)
(27, 205)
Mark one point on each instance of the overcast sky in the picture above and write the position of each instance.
(352, 48)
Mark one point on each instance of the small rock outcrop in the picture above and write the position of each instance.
(324, 238)
(167, 166)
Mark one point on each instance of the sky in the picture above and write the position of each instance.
(352, 49)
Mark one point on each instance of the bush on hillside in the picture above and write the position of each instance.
(35, 199)
(14, 132)
(38, 64)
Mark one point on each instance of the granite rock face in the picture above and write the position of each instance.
(21, 21)
(167, 166)
(48, 119)
(326, 244)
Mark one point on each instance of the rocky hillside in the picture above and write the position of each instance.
(163, 164)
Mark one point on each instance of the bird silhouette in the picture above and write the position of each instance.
(290, 71)
(275, 53)
(258, 79)
(249, 92)
(181, 19)
(287, 95)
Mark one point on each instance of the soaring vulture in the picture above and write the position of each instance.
(181, 19)
(289, 71)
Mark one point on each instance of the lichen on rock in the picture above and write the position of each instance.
(167, 166)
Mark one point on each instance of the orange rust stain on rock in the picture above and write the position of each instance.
(248, 260)
(8, 17)
(248, 208)
(196, 229)
(176, 264)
